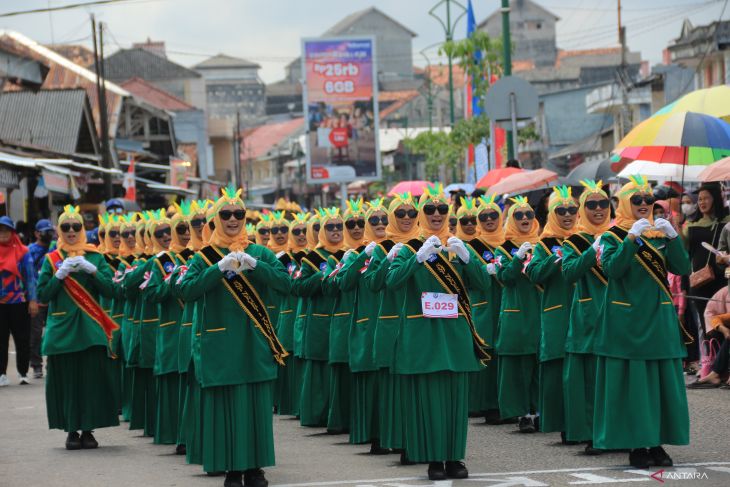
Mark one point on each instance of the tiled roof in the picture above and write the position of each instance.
(129, 63)
(259, 141)
(397, 100)
(439, 75)
(603, 56)
(225, 61)
(155, 96)
(76, 54)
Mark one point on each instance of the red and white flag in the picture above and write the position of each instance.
(129, 183)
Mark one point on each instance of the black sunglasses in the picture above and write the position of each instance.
(401, 213)
(431, 209)
(198, 222)
(492, 215)
(316, 227)
(351, 224)
(594, 204)
(227, 214)
(299, 231)
(76, 227)
(264, 231)
(562, 210)
(468, 220)
(162, 232)
(282, 229)
(332, 227)
(524, 215)
(452, 222)
(127, 234)
(637, 199)
(375, 221)
(113, 233)
(182, 229)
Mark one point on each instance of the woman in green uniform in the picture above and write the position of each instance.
(641, 401)
(127, 249)
(485, 303)
(402, 227)
(581, 268)
(78, 336)
(239, 350)
(437, 344)
(519, 318)
(315, 400)
(338, 418)
(545, 271)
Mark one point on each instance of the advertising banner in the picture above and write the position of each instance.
(341, 109)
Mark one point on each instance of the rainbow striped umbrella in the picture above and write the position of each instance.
(713, 101)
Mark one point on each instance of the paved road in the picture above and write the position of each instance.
(31, 455)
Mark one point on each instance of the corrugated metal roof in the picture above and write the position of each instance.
(47, 118)
(129, 63)
(155, 96)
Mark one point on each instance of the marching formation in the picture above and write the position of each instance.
(196, 324)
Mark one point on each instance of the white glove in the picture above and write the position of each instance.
(639, 227)
(64, 270)
(86, 266)
(347, 255)
(229, 263)
(663, 225)
(434, 240)
(596, 243)
(491, 269)
(247, 262)
(456, 246)
(394, 252)
(427, 250)
(370, 248)
(522, 251)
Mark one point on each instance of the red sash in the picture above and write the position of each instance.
(85, 301)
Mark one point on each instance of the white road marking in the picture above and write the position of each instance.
(591, 478)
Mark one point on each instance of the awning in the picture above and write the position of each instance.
(37, 164)
(81, 166)
(147, 165)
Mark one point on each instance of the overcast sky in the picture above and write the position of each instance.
(269, 31)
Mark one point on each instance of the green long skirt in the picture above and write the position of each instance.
(390, 410)
(579, 390)
(144, 401)
(238, 431)
(79, 391)
(518, 385)
(126, 392)
(639, 404)
(192, 422)
(182, 390)
(117, 369)
(338, 417)
(550, 405)
(438, 415)
(364, 423)
(314, 403)
(168, 396)
(289, 386)
(483, 387)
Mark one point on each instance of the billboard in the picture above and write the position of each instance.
(341, 109)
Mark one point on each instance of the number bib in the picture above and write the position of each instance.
(439, 305)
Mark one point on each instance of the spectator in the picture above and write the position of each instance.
(17, 299)
(688, 207)
(717, 325)
(44, 243)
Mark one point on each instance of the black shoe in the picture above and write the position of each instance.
(255, 478)
(436, 471)
(536, 422)
(456, 470)
(376, 449)
(565, 441)
(659, 457)
(589, 450)
(234, 478)
(215, 474)
(404, 459)
(492, 417)
(73, 441)
(88, 442)
(180, 450)
(526, 425)
(640, 458)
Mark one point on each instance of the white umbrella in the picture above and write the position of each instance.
(661, 170)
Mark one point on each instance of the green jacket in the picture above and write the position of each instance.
(519, 317)
(342, 313)
(185, 335)
(288, 305)
(232, 349)
(426, 345)
(132, 278)
(486, 302)
(639, 321)
(68, 328)
(545, 270)
(580, 267)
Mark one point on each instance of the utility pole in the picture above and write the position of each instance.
(624, 80)
(449, 33)
(236, 169)
(507, 51)
(101, 100)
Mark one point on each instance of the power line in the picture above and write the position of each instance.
(68, 7)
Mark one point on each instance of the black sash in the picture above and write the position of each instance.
(251, 303)
(299, 256)
(510, 248)
(386, 246)
(581, 244)
(452, 283)
(650, 259)
(285, 259)
(128, 259)
(112, 260)
(315, 260)
(166, 264)
(186, 255)
(483, 250)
